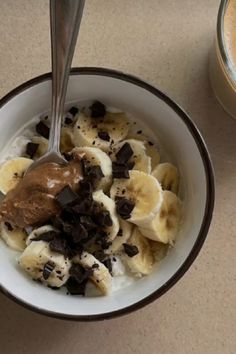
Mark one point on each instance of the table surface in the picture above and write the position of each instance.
(167, 45)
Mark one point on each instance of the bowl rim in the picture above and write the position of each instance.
(210, 190)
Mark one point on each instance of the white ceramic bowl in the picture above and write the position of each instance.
(187, 149)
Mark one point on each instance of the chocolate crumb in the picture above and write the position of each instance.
(124, 154)
(124, 207)
(95, 266)
(31, 149)
(150, 143)
(139, 132)
(120, 170)
(98, 110)
(120, 233)
(47, 270)
(94, 142)
(47, 236)
(42, 129)
(103, 218)
(130, 250)
(114, 259)
(104, 136)
(107, 263)
(68, 121)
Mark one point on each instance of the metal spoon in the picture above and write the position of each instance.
(65, 18)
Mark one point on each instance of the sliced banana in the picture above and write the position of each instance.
(11, 172)
(95, 156)
(37, 256)
(122, 237)
(39, 231)
(164, 227)
(168, 176)
(66, 143)
(142, 263)
(108, 204)
(101, 276)
(86, 130)
(15, 239)
(159, 250)
(142, 189)
(43, 145)
(141, 161)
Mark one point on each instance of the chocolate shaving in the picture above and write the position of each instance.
(8, 225)
(124, 207)
(104, 136)
(42, 129)
(47, 236)
(31, 149)
(130, 250)
(98, 110)
(124, 154)
(47, 270)
(66, 196)
(120, 170)
(103, 218)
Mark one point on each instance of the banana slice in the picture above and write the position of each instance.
(122, 237)
(142, 189)
(11, 172)
(43, 145)
(101, 276)
(15, 238)
(95, 156)
(86, 130)
(142, 263)
(168, 176)
(159, 250)
(165, 225)
(39, 231)
(141, 161)
(44, 265)
(108, 204)
(66, 143)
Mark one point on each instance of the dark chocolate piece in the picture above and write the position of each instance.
(103, 218)
(139, 132)
(87, 222)
(31, 149)
(66, 196)
(130, 250)
(104, 136)
(47, 236)
(124, 207)
(73, 110)
(79, 233)
(47, 269)
(74, 288)
(59, 245)
(80, 273)
(150, 143)
(124, 154)
(120, 233)
(107, 263)
(98, 110)
(93, 173)
(120, 170)
(42, 129)
(68, 121)
(8, 225)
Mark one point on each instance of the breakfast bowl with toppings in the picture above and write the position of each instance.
(123, 219)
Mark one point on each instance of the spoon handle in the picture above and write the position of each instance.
(65, 18)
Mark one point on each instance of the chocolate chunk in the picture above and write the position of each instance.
(47, 236)
(94, 173)
(104, 136)
(47, 269)
(104, 243)
(42, 129)
(103, 218)
(31, 149)
(139, 132)
(79, 233)
(83, 206)
(8, 225)
(120, 170)
(150, 143)
(73, 110)
(87, 222)
(98, 110)
(85, 188)
(74, 288)
(130, 165)
(66, 196)
(124, 207)
(124, 154)
(130, 250)
(100, 255)
(68, 121)
(107, 263)
(79, 273)
(59, 245)
(120, 233)
(95, 266)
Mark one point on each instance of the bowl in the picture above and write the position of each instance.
(188, 150)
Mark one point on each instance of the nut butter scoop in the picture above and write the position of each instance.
(32, 201)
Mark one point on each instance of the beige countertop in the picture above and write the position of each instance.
(167, 43)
